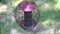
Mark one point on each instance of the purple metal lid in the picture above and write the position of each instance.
(27, 6)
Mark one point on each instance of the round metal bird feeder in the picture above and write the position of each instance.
(24, 15)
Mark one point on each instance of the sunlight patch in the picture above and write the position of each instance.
(14, 31)
(3, 8)
(57, 6)
(16, 3)
(12, 18)
(46, 6)
(50, 31)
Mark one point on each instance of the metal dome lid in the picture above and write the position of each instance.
(27, 6)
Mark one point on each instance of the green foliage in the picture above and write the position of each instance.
(4, 1)
(8, 19)
(1, 24)
(42, 16)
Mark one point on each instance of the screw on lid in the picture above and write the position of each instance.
(27, 6)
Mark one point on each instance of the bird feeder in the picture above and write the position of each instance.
(27, 23)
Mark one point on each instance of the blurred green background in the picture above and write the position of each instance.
(49, 11)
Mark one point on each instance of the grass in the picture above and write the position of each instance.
(46, 17)
(3, 1)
